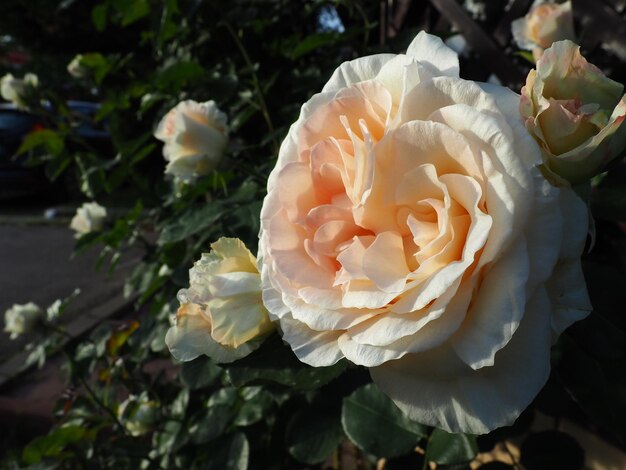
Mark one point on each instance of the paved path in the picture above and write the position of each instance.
(36, 265)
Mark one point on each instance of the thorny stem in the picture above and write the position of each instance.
(255, 82)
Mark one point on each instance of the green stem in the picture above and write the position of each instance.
(255, 82)
(93, 395)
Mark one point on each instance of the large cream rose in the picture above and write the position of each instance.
(407, 229)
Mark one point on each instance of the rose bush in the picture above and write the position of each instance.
(221, 314)
(407, 229)
(195, 136)
(544, 24)
(574, 112)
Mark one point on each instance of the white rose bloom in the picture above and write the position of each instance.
(195, 137)
(407, 229)
(15, 89)
(89, 217)
(221, 314)
(21, 319)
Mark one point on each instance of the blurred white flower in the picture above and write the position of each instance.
(195, 136)
(16, 90)
(544, 24)
(89, 217)
(21, 319)
(75, 68)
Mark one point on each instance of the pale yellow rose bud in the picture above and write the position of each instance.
(16, 90)
(90, 217)
(21, 319)
(76, 69)
(574, 112)
(222, 313)
(138, 414)
(543, 25)
(195, 136)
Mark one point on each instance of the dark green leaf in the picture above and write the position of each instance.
(212, 424)
(256, 403)
(551, 449)
(229, 453)
(312, 42)
(53, 444)
(312, 435)
(190, 222)
(609, 202)
(49, 140)
(179, 74)
(276, 362)
(374, 423)
(199, 373)
(99, 16)
(450, 449)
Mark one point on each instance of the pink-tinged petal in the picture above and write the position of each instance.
(384, 330)
(357, 70)
(316, 348)
(363, 294)
(296, 191)
(384, 262)
(436, 388)
(431, 50)
(323, 315)
(497, 310)
(566, 74)
(351, 259)
(566, 287)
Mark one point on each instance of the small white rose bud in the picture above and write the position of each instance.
(195, 137)
(16, 90)
(89, 217)
(21, 319)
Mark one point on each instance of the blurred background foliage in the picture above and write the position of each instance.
(127, 405)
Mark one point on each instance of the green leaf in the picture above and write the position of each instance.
(212, 424)
(256, 403)
(199, 373)
(168, 438)
(275, 362)
(551, 449)
(179, 75)
(192, 221)
(609, 202)
(312, 435)
(99, 16)
(51, 141)
(179, 405)
(445, 448)
(374, 423)
(53, 444)
(132, 10)
(231, 452)
(312, 42)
